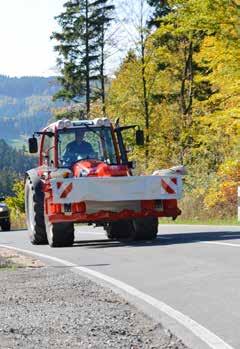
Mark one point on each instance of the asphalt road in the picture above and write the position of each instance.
(193, 269)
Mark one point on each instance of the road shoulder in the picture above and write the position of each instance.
(53, 307)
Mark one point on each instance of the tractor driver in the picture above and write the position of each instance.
(77, 149)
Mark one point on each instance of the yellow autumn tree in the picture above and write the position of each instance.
(192, 76)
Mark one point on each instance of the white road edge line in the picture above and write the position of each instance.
(219, 243)
(212, 340)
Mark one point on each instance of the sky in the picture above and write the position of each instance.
(25, 30)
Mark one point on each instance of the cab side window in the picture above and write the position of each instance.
(48, 150)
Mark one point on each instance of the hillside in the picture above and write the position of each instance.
(13, 164)
(25, 105)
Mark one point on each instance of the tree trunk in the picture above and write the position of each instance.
(186, 95)
(145, 99)
(102, 71)
(87, 62)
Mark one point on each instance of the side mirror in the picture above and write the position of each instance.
(33, 145)
(139, 137)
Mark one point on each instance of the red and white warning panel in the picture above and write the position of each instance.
(70, 190)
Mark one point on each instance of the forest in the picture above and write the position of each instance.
(25, 105)
(184, 89)
(13, 164)
(179, 80)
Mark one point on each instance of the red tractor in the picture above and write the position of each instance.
(84, 176)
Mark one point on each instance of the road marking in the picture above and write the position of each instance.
(219, 243)
(95, 233)
(212, 340)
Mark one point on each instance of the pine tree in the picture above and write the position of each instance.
(76, 50)
(79, 49)
(103, 16)
(69, 45)
(161, 8)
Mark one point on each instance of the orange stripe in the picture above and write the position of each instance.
(66, 191)
(167, 188)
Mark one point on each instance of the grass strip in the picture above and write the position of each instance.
(198, 221)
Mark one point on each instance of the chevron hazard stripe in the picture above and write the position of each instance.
(169, 185)
(64, 189)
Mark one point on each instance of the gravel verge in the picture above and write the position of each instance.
(51, 307)
(12, 259)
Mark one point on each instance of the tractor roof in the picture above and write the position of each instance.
(66, 123)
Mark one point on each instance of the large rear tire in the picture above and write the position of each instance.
(145, 228)
(34, 208)
(59, 234)
(119, 230)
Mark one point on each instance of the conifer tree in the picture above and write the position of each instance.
(79, 47)
(103, 15)
(161, 8)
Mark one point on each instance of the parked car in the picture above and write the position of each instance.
(5, 222)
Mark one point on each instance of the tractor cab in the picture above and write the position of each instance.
(83, 145)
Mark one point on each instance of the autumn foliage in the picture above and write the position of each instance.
(180, 82)
(192, 90)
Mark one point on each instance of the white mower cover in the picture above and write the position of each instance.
(102, 189)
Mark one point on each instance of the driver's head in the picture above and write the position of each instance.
(79, 135)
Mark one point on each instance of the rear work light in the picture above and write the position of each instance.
(55, 208)
(79, 207)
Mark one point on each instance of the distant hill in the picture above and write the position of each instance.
(25, 105)
(13, 164)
